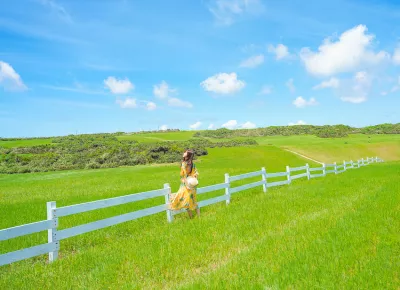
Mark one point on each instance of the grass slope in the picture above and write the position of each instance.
(158, 137)
(334, 232)
(330, 150)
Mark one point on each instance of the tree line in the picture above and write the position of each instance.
(326, 131)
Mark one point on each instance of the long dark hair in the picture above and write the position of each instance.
(189, 159)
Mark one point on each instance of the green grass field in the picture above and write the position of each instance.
(25, 142)
(158, 137)
(330, 150)
(340, 231)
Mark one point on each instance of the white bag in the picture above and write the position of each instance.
(191, 182)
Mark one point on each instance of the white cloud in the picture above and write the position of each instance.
(265, 90)
(281, 51)
(331, 83)
(231, 124)
(10, 79)
(300, 102)
(128, 103)
(164, 128)
(354, 100)
(175, 102)
(151, 106)
(226, 12)
(290, 85)
(162, 91)
(396, 56)
(253, 61)
(351, 51)
(118, 86)
(248, 125)
(210, 127)
(131, 103)
(357, 90)
(195, 126)
(223, 83)
(300, 122)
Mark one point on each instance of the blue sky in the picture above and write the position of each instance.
(90, 66)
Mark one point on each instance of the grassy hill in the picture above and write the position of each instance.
(25, 142)
(331, 232)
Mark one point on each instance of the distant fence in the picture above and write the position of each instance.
(54, 213)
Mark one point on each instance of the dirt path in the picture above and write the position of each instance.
(303, 156)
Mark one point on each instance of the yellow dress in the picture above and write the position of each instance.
(185, 197)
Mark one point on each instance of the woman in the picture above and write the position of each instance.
(186, 196)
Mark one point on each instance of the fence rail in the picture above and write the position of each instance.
(54, 213)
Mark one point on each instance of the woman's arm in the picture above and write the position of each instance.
(183, 172)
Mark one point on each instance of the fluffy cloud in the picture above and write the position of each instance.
(164, 128)
(354, 100)
(300, 122)
(131, 103)
(226, 12)
(210, 127)
(231, 124)
(248, 125)
(163, 92)
(331, 83)
(151, 106)
(128, 103)
(118, 86)
(357, 90)
(195, 126)
(281, 51)
(265, 90)
(175, 102)
(10, 79)
(351, 51)
(223, 83)
(253, 61)
(300, 102)
(290, 85)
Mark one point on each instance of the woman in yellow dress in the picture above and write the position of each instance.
(186, 196)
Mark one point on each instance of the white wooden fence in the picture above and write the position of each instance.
(54, 212)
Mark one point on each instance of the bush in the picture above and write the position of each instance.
(100, 151)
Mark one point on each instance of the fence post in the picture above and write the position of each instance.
(264, 178)
(324, 169)
(52, 233)
(344, 165)
(227, 190)
(362, 162)
(308, 171)
(335, 168)
(376, 158)
(288, 174)
(170, 217)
